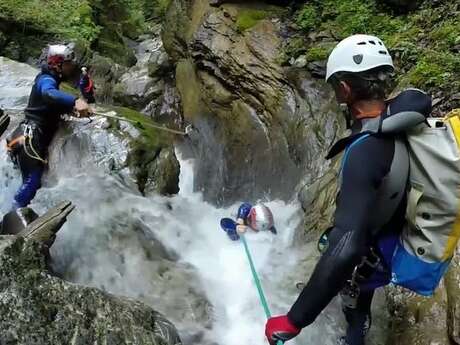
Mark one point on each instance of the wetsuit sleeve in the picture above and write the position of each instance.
(409, 109)
(50, 92)
(412, 100)
(243, 210)
(365, 168)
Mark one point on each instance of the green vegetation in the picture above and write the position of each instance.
(156, 8)
(319, 52)
(346, 17)
(308, 18)
(101, 24)
(70, 18)
(436, 69)
(249, 18)
(425, 43)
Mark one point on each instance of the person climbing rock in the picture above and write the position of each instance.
(28, 144)
(256, 218)
(86, 86)
(4, 122)
(371, 205)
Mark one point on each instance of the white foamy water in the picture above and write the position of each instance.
(98, 246)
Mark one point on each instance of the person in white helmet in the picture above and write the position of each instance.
(86, 86)
(249, 218)
(28, 144)
(371, 205)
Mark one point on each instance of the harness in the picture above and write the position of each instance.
(26, 142)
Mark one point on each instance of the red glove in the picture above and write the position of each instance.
(280, 328)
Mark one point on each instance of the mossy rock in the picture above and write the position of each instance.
(111, 44)
(320, 52)
(151, 156)
(248, 18)
(251, 15)
(156, 9)
(155, 138)
(105, 72)
(39, 309)
(163, 174)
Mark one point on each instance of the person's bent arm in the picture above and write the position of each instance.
(363, 172)
(52, 95)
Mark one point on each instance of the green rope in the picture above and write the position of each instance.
(260, 290)
(140, 125)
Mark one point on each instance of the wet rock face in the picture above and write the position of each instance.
(119, 148)
(15, 83)
(142, 83)
(263, 125)
(37, 308)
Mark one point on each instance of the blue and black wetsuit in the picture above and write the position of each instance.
(370, 207)
(42, 115)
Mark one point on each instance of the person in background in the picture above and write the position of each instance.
(86, 86)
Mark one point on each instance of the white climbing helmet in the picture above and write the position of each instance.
(58, 53)
(358, 53)
(261, 218)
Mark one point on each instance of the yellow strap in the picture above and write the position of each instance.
(453, 118)
(453, 113)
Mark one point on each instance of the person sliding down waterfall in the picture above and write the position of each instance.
(256, 218)
(371, 205)
(28, 144)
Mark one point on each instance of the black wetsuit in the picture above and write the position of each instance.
(42, 116)
(364, 171)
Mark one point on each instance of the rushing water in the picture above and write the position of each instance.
(170, 251)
